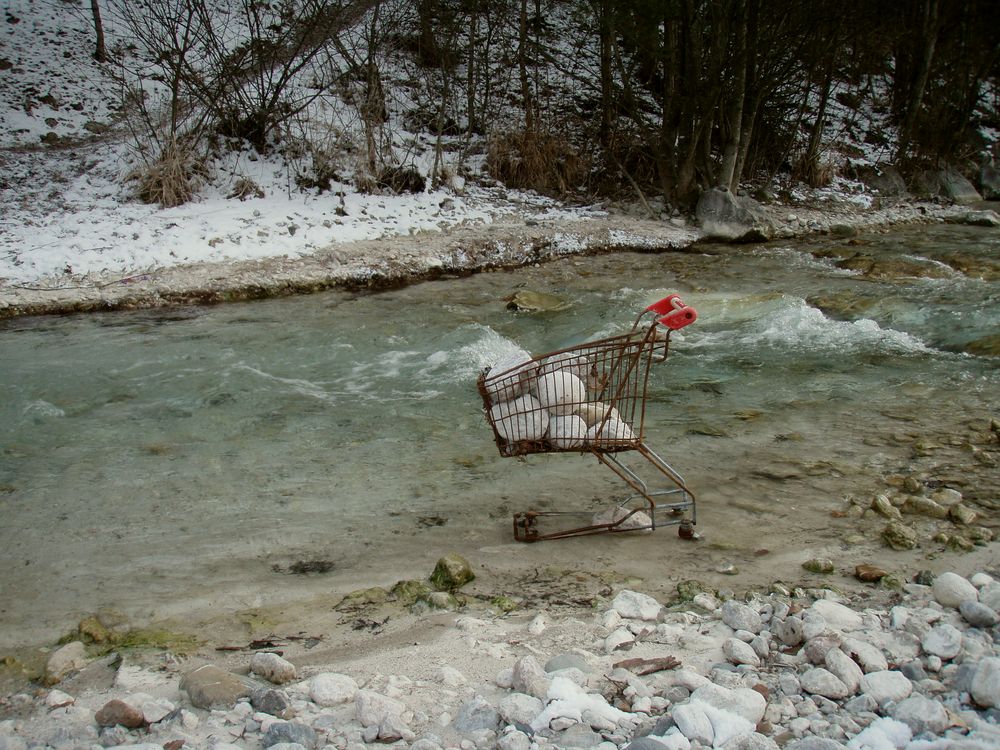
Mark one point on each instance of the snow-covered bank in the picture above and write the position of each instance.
(492, 231)
(807, 670)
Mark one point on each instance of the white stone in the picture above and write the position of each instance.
(156, 709)
(560, 392)
(520, 707)
(636, 606)
(594, 412)
(950, 590)
(616, 640)
(613, 432)
(567, 431)
(520, 419)
(332, 689)
(66, 659)
(844, 668)
(741, 617)
(739, 652)
(705, 601)
(624, 518)
(693, 723)
(272, 668)
(837, 616)
(372, 708)
(508, 377)
(530, 678)
(451, 677)
(944, 641)
(789, 631)
(921, 714)
(981, 579)
(689, 679)
(869, 657)
(741, 701)
(819, 681)
(985, 685)
(990, 596)
(886, 687)
(59, 699)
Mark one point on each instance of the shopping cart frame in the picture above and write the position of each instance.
(616, 371)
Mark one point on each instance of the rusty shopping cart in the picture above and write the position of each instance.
(591, 398)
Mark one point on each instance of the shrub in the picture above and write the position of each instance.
(173, 179)
(534, 160)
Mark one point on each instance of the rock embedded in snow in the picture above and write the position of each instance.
(921, 714)
(950, 590)
(272, 668)
(332, 689)
(886, 687)
(519, 708)
(837, 616)
(984, 687)
(523, 418)
(530, 678)
(944, 641)
(738, 652)
(560, 392)
(739, 616)
(635, 605)
(693, 723)
(567, 432)
(820, 681)
(741, 701)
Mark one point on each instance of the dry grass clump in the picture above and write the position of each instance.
(173, 179)
(533, 160)
(814, 172)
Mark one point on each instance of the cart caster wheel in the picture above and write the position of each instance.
(686, 530)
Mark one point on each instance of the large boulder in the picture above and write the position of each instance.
(946, 183)
(724, 216)
(886, 180)
(989, 182)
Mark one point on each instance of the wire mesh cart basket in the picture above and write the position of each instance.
(591, 398)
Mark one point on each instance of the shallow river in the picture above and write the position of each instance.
(179, 462)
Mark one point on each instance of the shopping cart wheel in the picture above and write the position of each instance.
(525, 529)
(686, 530)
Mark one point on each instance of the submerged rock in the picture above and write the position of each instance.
(525, 300)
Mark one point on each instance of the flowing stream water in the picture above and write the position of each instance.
(181, 462)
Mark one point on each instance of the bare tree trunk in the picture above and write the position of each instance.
(470, 83)
(100, 52)
(522, 52)
(732, 116)
(928, 38)
(606, 33)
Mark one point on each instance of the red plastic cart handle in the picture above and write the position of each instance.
(674, 313)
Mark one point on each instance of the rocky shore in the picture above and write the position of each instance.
(510, 241)
(806, 669)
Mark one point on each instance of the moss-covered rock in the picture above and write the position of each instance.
(410, 592)
(819, 565)
(451, 572)
(363, 597)
(503, 603)
(688, 590)
(899, 536)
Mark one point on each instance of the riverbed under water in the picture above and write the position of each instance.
(179, 462)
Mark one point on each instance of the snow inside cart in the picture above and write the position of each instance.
(591, 398)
